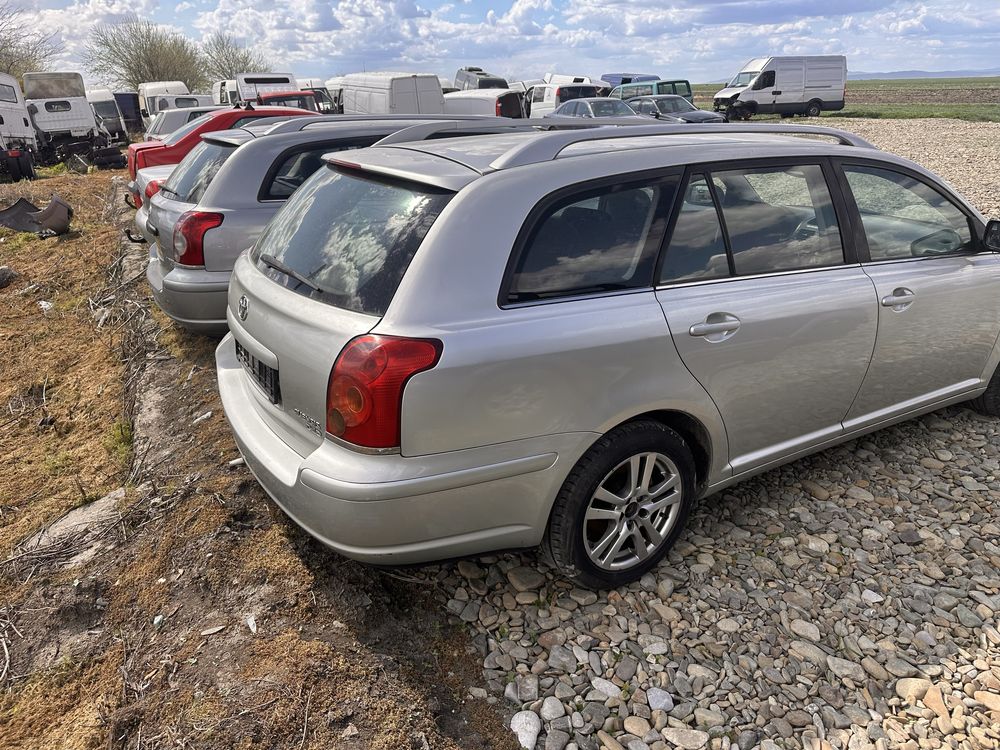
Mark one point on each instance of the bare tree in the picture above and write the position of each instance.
(224, 57)
(23, 49)
(135, 50)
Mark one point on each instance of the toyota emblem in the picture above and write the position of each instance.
(243, 307)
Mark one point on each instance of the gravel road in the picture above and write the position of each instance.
(847, 600)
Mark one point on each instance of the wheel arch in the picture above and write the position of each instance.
(694, 433)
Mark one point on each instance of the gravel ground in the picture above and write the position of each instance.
(847, 600)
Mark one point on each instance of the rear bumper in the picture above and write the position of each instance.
(194, 298)
(392, 509)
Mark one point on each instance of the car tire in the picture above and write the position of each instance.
(814, 108)
(787, 115)
(27, 167)
(603, 544)
(988, 402)
(14, 169)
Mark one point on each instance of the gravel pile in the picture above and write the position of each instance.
(849, 600)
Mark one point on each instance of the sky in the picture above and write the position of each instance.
(701, 40)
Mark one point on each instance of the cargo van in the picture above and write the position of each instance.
(107, 114)
(786, 86)
(392, 94)
(149, 90)
(543, 98)
(251, 85)
(632, 89)
(488, 102)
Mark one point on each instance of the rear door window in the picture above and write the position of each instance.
(7, 93)
(183, 102)
(59, 106)
(601, 240)
(294, 169)
(189, 181)
(904, 217)
(351, 234)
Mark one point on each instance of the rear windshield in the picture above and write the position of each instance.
(189, 181)
(182, 131)
(576, 92)
(353, 236)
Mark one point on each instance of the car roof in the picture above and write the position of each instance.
(595, 99)
(320, 131)
(453, 163)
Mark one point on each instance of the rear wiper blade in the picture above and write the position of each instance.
(277, 265)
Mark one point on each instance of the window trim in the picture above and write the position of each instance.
(280, 158)
(845, 223)
(539, 211)
(864, 252)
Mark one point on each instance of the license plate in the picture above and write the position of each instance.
(265, 376)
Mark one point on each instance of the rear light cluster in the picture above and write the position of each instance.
(152, 188)
(499, 108)
(189, 236)
(14, 153)
(364, 396)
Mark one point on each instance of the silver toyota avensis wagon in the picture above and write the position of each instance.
(450, 346)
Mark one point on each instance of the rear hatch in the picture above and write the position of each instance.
(181, 193)
(348, 237)
(133, 151)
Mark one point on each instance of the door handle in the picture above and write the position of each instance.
(716, 327)
(900, 299)
(775, 93)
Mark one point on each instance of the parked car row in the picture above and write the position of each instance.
(405, 396)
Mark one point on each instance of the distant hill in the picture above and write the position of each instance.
(861, 76)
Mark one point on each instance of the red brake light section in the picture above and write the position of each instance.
(152, 188)
(189, 236)
(364, 396)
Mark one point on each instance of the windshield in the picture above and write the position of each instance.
(611, 108)
(352, 236)
(106, 109)
(184, 130)
(189, 181)
(743, 79)
(674, 104)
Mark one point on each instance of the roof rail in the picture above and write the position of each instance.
(461, 126)
(296, 124)
(547, 147)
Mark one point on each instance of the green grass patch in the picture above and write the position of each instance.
(970, 112)
(118, 442)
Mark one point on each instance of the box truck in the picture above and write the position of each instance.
(392, 94)
(786, 86)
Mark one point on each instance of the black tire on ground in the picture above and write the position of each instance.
(814, 108)
(13, 169)
(564, 537)
(787, 115)
(988, 402)
(27, 166)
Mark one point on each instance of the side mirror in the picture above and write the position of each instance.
(991, 238)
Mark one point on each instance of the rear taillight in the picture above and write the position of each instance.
(189, 236)
(14, 153)
(152, 188)
(558, 94)
(499, 109)
(364, 396)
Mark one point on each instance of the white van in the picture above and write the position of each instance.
(489, 102)
(785, 85)
(541, 99)
(224, 92)
(560, 78)
(107, 114)
(251, 85)
(15, 124)
(149, 90)
(392, 93)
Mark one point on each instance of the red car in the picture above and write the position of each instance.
(176, 146)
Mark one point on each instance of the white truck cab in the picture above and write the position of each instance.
(149, 91)
(15, 124)
(786, 86)
(225, 92)
(107, 113)
(251, 85)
